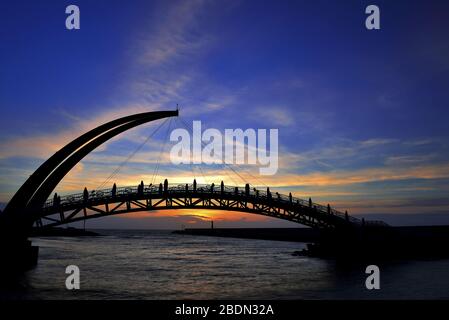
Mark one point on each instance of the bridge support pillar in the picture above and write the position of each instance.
(18, 257)
(17, 254)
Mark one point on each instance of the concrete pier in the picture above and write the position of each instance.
(390, 243)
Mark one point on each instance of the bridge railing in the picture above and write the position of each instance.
(200, 188)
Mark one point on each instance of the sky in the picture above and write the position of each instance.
(362, 114)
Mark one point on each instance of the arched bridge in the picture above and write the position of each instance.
(29, 205)
(94, 204)
(19, 215)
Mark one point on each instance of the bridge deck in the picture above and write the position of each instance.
(97, 203)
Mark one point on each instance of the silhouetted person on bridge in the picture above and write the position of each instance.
(114, 190)
(222, 187)
(85, 195)
(187, 187)
(194, 185)
(328, 209)
(247, 189)
(212, 186)
(268, 194)
(160, 188)
(310, 202)
(236, 191)
(55, 200)
(290, 197)
(346, 215)
(141, 187)
(165, 185)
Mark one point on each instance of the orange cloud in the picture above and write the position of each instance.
(202, 214)
(92, 178)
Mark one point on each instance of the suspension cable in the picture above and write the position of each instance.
(189, 127)
(121, 165)
(156, 169)
(190, 164)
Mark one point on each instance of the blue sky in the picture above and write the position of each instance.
(362, 115)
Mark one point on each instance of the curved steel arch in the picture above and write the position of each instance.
(17, 218)
(58, 174)
(22, 197)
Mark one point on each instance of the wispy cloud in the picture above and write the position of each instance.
(176, 33)
(167, 63)
(275, 115)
